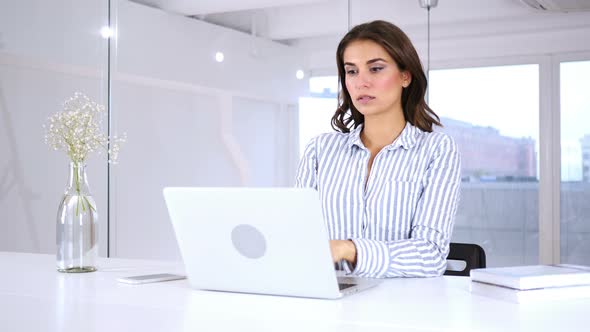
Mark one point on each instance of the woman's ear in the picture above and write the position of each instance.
(406, 78)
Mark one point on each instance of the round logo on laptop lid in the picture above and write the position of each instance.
(248, 241)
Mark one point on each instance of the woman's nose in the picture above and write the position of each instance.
(363, 79)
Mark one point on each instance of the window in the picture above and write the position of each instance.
(575, 162)
(315, 112)
(493, 115)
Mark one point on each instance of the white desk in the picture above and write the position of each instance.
(34, 297)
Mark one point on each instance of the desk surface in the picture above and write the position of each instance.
(34, 297)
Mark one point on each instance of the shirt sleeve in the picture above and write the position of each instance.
(308, 167)
(424, 253)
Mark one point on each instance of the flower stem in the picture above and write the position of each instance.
(77, 177)
(89, 205)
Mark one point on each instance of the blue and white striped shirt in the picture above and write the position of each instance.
(402, 222)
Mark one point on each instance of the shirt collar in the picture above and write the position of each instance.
(407, 138)
(354, 137)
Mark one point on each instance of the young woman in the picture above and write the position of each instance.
(389, 185)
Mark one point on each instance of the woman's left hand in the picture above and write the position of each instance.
(343, 249)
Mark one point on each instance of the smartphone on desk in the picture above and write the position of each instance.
(144, 279)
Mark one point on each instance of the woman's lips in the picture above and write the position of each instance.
(365, 99)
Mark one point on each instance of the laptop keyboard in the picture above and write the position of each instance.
(345, 286)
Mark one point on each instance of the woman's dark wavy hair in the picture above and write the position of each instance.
(401, 50)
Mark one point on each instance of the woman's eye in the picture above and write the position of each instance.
(376, 69)
(350, 72)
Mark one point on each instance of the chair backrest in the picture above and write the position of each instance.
(463, 257)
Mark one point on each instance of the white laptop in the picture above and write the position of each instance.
(257, 240)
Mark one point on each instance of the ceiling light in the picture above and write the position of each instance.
(106, 32)
(428, 3)
(219, 57)
(300, 74)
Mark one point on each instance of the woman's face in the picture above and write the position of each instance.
(373, 79)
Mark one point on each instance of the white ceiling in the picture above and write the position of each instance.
(286, 20)
(203, 7)
(316, 26)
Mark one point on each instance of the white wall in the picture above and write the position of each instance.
(192, 121)
(171, 47)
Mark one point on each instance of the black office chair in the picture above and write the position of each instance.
(463, 257)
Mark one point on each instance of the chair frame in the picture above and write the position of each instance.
(471, 254)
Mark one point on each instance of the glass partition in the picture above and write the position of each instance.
(48, 51)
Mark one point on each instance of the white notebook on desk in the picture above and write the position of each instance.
(534, 276)
(538, 295)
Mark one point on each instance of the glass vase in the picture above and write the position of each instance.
(77, 230)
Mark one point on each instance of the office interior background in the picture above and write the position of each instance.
(227, 93)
